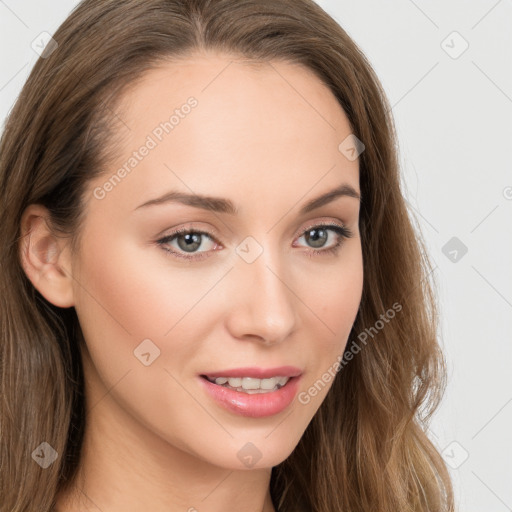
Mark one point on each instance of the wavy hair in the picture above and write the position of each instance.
(367, 447)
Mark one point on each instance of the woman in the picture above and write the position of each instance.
(176, 176)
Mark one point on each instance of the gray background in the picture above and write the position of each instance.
(453, 112)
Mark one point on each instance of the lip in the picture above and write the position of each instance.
(258, 405)
(256, 372)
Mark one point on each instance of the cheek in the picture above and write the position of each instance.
(135, 289)
(128, 295)
(123, 299)
(335, 305)
(336, 298)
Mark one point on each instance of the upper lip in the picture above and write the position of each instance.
(256, 372)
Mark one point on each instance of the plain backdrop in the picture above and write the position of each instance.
(447, 70)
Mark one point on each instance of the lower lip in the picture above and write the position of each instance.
(257, 405)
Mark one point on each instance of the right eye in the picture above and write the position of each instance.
(186, 239)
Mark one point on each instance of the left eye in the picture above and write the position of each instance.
(189, 240)
(319, 234)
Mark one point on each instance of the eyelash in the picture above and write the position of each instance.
(342, 231)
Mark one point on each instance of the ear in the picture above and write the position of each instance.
(45, 257)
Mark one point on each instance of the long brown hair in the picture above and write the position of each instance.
(366, 449)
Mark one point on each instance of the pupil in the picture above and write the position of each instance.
(315, 237)
(192, 241)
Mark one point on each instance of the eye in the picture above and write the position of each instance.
(189, 240)
(318, 235)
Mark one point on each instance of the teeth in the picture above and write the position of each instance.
(251, 385)
(235, 382)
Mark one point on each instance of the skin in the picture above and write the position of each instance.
(266, 137)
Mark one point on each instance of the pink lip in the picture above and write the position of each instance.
(257, 372)
(257, 405)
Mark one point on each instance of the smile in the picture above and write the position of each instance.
(248, 396)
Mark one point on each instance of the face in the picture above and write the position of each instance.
(244, 285)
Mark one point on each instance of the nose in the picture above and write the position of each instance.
(264, 306)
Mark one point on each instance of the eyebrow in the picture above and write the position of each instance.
(221, 205)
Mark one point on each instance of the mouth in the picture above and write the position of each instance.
(253, 392)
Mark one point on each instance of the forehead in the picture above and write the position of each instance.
(225, 80)
(214, 121)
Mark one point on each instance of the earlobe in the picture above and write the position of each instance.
(44, 257)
